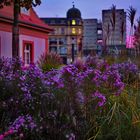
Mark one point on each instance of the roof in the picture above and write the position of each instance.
(55, 21)
(109, 10)
(32, 20)
(73, 13)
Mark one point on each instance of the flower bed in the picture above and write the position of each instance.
(82, 101)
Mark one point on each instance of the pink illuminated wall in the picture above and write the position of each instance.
(130, 42)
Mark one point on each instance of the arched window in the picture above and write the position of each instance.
(73, 22)
(73, 31)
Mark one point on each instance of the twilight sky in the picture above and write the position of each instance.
(88, 8)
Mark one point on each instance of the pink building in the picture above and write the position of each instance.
(130, 42)
(33, 34)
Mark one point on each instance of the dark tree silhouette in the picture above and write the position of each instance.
(113, 21)
(131, 18)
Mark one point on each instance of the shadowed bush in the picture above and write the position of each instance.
(49, 61)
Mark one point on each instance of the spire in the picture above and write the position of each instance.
(73, 4)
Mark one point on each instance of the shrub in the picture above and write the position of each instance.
(49, 61)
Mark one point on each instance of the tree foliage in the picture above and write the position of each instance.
(131, 15)
(113, 17)
(22, 3)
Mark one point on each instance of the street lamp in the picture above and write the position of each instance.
(72, 50)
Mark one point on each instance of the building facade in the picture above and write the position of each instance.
(66, 39)
(33, 34)
(114, 35)
(92, 36)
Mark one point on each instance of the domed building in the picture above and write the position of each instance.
(74, 17)
(66, 40)
(73, 13)
(75, 33)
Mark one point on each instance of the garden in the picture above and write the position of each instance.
(95, 99)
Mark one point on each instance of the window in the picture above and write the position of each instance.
(61, 41)
(52, 21)
(53, 49)
(56, 30)
(68, 22)
(52, 41)
(99, 32)
(62, 21)
(63, 31)
(73, 31)
(23, 10)
(28, 52)
(62, 50)
(73, 22)
(80, 31)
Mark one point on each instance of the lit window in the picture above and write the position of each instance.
(28, 53)
(99, 32)
(73, 31)
(73, 22)
(80, 31)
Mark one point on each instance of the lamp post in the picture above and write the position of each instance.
(72, 50)
(80, 48)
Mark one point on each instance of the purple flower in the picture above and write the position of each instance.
(100, 97)
(24, 122)
(1, 137)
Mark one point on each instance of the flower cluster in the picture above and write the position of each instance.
(25, 122)
(101, 98)
(127, 70)
(52, 78)
(9, 68)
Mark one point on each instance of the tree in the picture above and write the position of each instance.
(122, 31)
(113, 21)
(131, 18)
(16, 10)
(106, 30)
